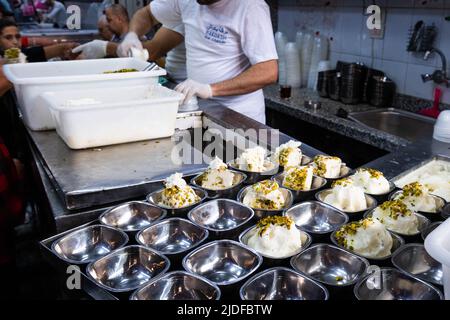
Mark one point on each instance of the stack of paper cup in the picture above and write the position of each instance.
(307, 43)
(320, 53)
(293, 66)
(280, 43)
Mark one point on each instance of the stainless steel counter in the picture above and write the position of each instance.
(79, 185)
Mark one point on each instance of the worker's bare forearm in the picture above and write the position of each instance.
(111, 49)
(256, 77)
(142, 21)
(163, 41)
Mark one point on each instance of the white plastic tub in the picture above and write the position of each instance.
(32, 79)
(119, 115)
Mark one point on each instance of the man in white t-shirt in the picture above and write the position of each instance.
(230, 48)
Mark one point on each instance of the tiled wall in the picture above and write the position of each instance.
(345, 23)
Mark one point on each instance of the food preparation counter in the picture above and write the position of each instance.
(79, 185)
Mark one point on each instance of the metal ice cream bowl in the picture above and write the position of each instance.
(223, 262)
(330, 265)
(178, 285)
(132, 216)
(172, 237)
(353, 215)
(238, 181)
(128, 268)
(345, 172)
(414, 260)
(89, 243)
(274, 260)
(430, 228)
(397, 242)
(156, 196)
(433, 216)
(392, 284)
(423, 224)
(316, 217)
(254, 177)
(262, 213)
(301, 195)
(223, 218)
(282, 284)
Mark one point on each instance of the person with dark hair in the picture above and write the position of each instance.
(10, 37)
(57, 13)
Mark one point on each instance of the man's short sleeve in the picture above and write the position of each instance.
(167, 12)
(257, 38)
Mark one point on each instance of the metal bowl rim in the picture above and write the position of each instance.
(163, 271)
(206, 235)
(244, 178)
(343, 166)
(235, 243)
(373, 206)
(427, 222)
(394, 235)
(274, 169)
(405, 247)
(182, 272)
(439, 212)
(429, 225)
(162, 216)
(190, 213)
(286, 206)
(285, 212)
(323, 184)
(202, 198)
(362, 259)
(363, 279)
(304, 247)
(54, 244)
(298, 274)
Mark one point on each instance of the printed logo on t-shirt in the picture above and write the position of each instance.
(216, 33)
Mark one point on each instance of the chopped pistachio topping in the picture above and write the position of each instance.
(266, 186)
(284, 154)
(12, 53)
(414, 189)
(375, 174)
(351, 229)
(396, 208)
(345, 182)
(265, 223)
(321, 167)
(295, 178)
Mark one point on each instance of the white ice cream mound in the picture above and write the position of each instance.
(265, 195)
(217, 176)
(288, 154)
(327, 166)
(276, 237)
(372, 181)
(298, 178)
(417, 198)
(368, 237)
(435, 176)
(177, 194)
(347, 196)
(254, 160)
(396, 217)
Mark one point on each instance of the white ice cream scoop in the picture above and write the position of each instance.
(139, 54)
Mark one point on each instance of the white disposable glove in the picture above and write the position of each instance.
(192, 88)
(92, 50)
(131, 40)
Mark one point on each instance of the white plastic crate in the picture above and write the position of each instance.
(119, 115)
(32, 79)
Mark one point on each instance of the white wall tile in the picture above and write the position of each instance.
(397, 72)
(414, 85)
(350, 30)
(398, 22)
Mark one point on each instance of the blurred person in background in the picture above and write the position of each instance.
(118, 21)
(56, 13)
(10, 37)
(103, 29)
